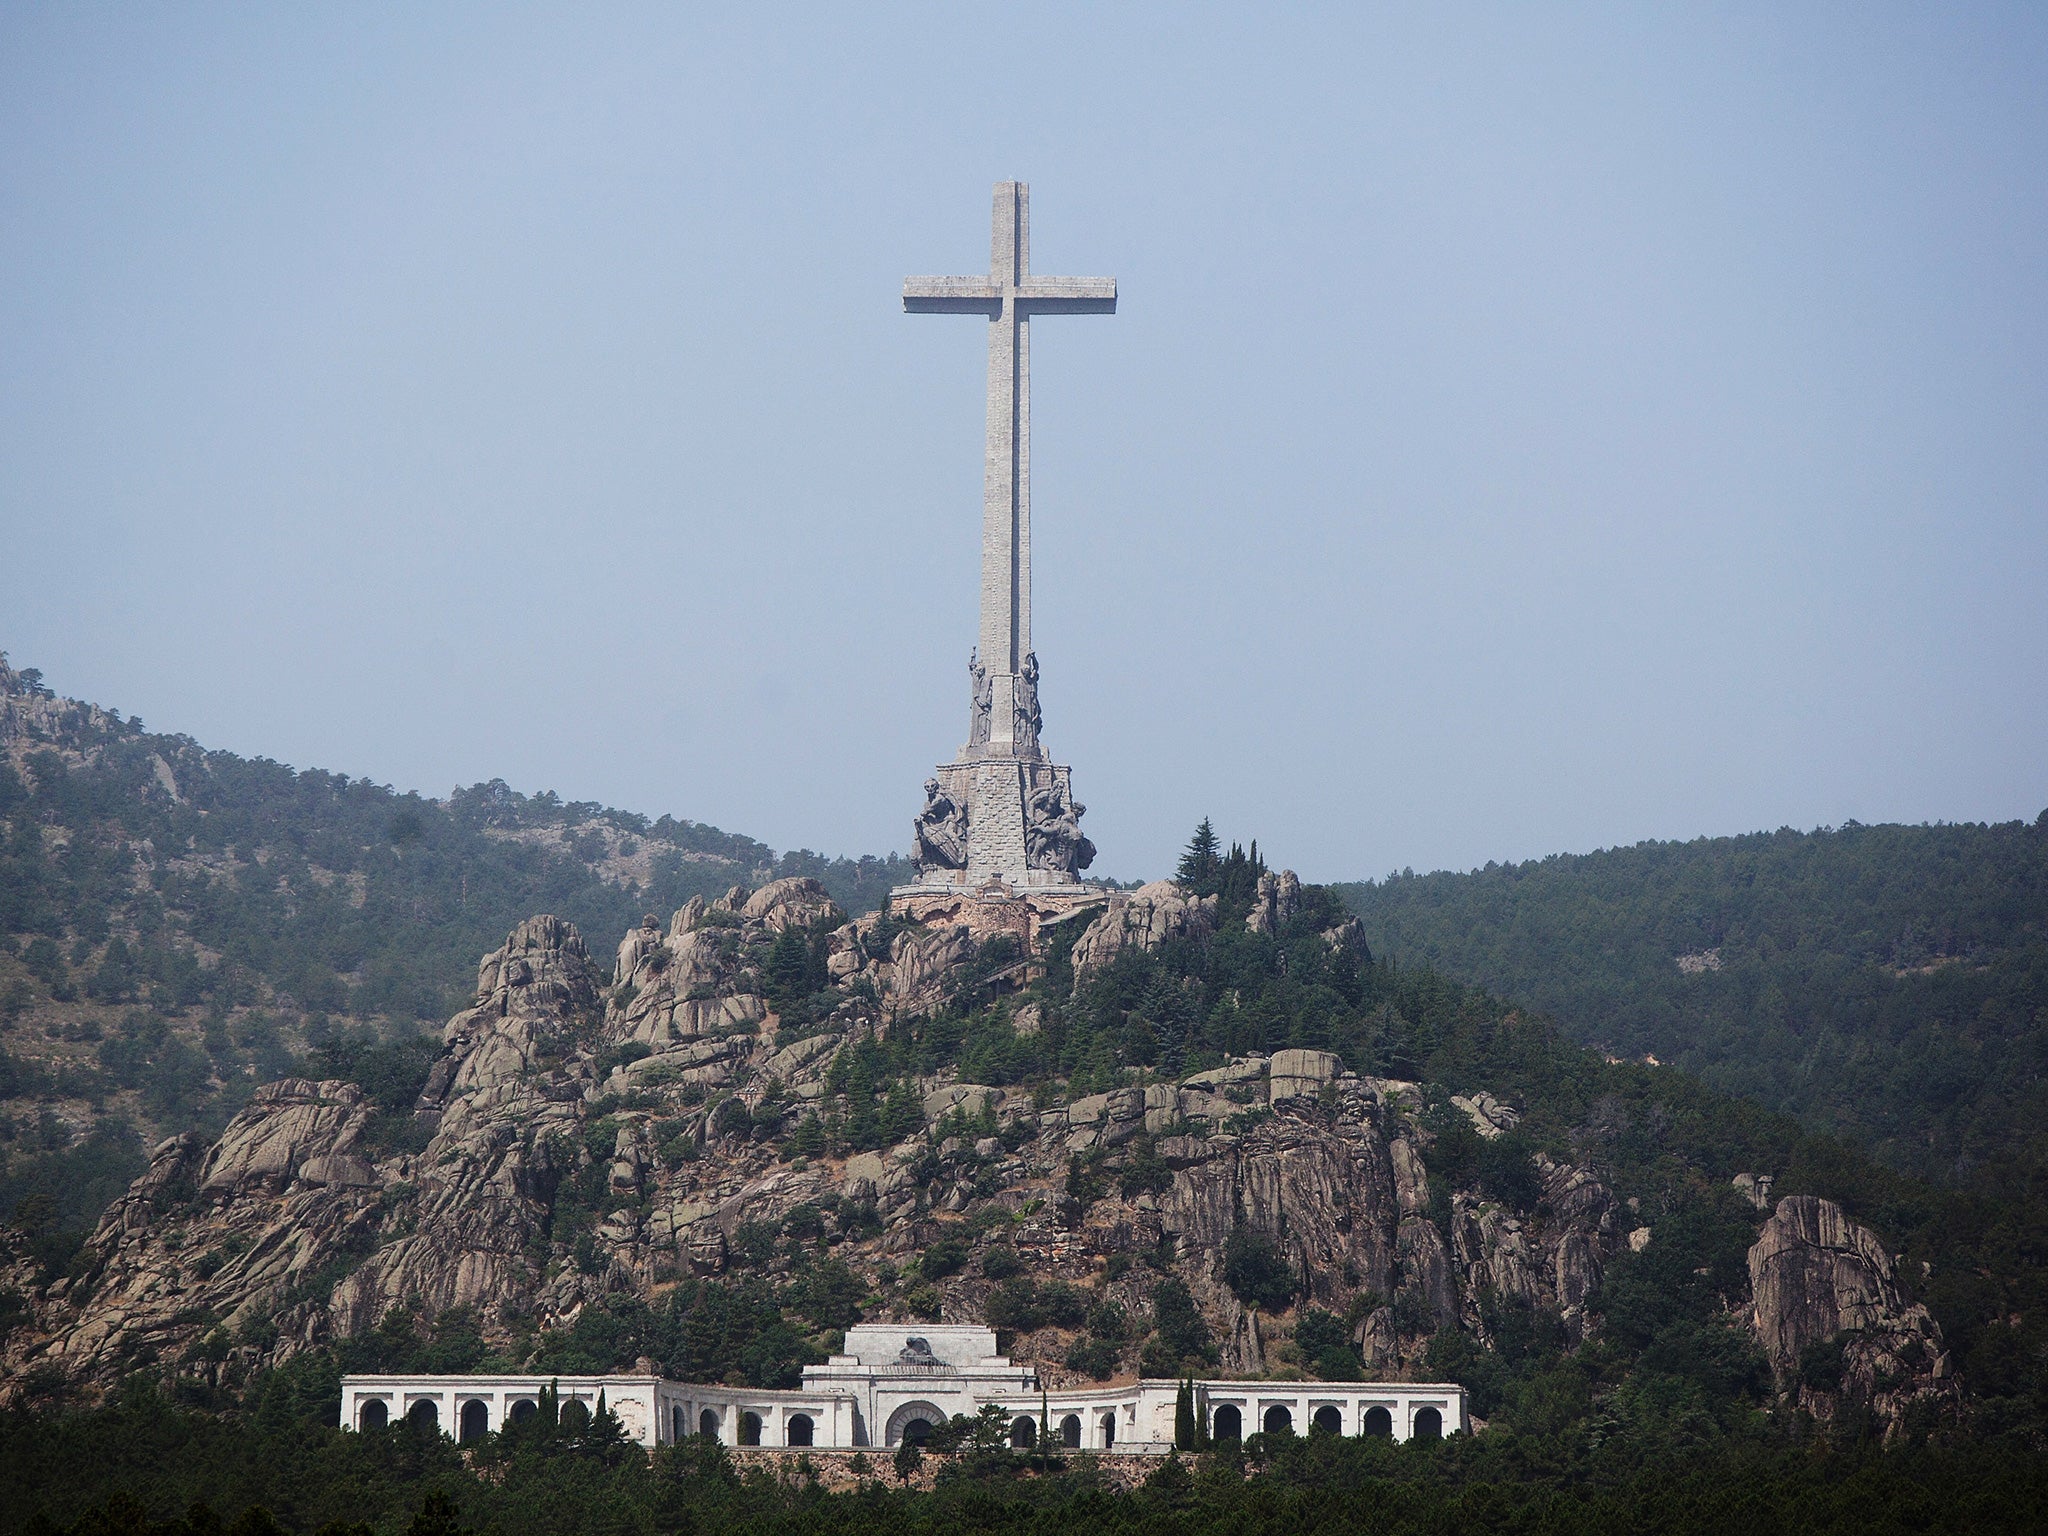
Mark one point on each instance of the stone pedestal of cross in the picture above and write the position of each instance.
(1002, 811)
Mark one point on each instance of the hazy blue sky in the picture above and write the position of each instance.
(1524, 429)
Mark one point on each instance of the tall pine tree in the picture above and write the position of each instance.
(1197, 872)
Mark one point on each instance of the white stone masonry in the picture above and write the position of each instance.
(896, 1380)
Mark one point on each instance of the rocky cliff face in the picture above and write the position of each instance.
(505, 1100)
(590, 1135)
(1825, 1287)
(211, 1245)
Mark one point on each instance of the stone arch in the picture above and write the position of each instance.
(1109, 1429)
(523, 1410)
(707, 1423)
(1070, 1431)
(1379, 1424)
(574, 1415)
(1279, 1420)
(676, 1422)
(900, 1422)
(750, 1428)
(1429, 1424)
(475, 1420)
(374, 1414)
(800, 1430)
(1023, 1433)
(1229, 1424)
(1327, 1419)
(424, 1414)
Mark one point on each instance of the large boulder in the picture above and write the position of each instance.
(292, 1130)
(922, 963)
(798, 902)
(1142, 919)
(1300, 1073)
(537, 995)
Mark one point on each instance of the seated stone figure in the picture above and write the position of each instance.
(939, 835)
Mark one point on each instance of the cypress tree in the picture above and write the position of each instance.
(1184, 1416)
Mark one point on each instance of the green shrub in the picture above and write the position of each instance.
(947, 1256)
(1093, 1357)
(1256, 1271)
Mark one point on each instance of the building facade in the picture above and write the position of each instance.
(895, 1382)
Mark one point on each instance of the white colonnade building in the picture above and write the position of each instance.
(895, 1382)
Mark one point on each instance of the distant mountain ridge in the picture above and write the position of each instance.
(1887, 984)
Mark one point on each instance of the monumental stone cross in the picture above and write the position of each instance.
(1009, 296)
(1002, 812)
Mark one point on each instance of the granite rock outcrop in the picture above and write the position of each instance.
(1142, 919)
(1818, 1279)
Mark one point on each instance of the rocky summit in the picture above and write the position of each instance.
(705, 1108)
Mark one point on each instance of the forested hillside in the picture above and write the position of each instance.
(1082, 1153)
(1888, 984)
(178, 925)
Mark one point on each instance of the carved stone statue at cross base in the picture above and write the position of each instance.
(1028, 716)
(939, 835)
(983, 701)
(1052, 832)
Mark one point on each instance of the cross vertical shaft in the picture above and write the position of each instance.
(1009, 296)
(1006, 474)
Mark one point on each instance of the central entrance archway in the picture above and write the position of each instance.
(912, 1422)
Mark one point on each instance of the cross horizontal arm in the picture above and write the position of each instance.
(952, 296)
(1042, 292)
(1034, 295)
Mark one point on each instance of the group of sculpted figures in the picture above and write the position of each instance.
(1052, 830)
(1026, 719)
(1052, 817)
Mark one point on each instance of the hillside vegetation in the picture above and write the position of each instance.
(178, 925)
(1050, 1202)
(1217, 1125)
(1886, 984)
